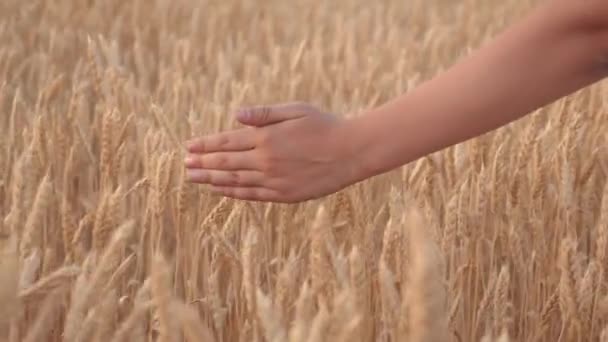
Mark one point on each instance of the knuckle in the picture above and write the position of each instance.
(267, 164)
(223, 140)
(221, 161)
(207, 177)
(234, 178)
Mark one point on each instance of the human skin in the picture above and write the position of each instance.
(295, 152)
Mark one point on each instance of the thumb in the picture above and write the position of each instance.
(267, 115)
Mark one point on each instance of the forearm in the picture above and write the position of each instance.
(548, 55)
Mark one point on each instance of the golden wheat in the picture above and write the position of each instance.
(499, 238)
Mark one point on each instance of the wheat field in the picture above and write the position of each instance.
(500, 238)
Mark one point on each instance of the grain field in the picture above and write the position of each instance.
(500, 238)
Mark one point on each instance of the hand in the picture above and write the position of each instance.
(287, 153)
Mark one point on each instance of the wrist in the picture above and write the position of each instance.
(385, 138)
(358, 146)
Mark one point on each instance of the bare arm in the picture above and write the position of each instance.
(557, 50)
(294, 152)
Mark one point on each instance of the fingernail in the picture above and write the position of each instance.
(192, 175)
(190, 145)
(190, 161)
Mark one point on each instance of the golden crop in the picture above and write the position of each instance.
(501, 237)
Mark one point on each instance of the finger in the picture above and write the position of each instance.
(248, 194)
(222, 161)
(266, 115)
(238, 140)
(244, 178)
